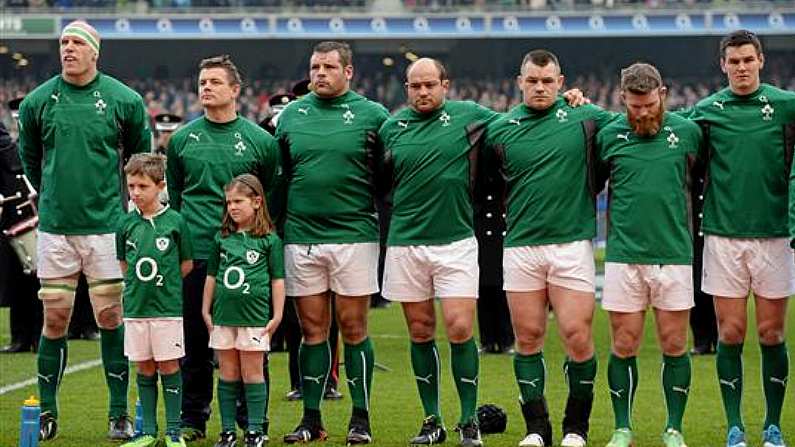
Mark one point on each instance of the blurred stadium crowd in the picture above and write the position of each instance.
(179, 96)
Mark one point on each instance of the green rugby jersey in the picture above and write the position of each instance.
(750, 143)
(153, 247)
(329, 151)
(548, 161)
(649, 191)
(243, 267)
(203, 156)
(73, 142)
(431, 160)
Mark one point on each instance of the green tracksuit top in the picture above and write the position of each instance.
(548, 161)
(431, 160)
(649, 191)
(203, 157)
(750, 143)
(73, 142)
(329, 152)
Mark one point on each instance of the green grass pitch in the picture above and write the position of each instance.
(396, 410)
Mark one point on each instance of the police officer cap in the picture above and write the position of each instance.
(280, 100)
(301, 88)
(167, 122)
(13, 105)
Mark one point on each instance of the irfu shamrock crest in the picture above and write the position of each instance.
(562, 115)
(252, 256)
(445, 119)
(767, 112)
(240, 147)
(101, 105)
(348, 117)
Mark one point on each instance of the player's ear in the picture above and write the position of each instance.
(161, 185)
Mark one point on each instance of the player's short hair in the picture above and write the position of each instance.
(437, 63)
(251, 187)
(640, 78)
(739, 38)
(223, 61)
(147, 165)
(540, 58)
(342, 48)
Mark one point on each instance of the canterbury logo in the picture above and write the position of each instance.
(718, 104)
(48, 378)
(352, 382)
(194, 136)
(730, 383)
(317, 379)
(426, 379)
(782, 382)
(172, 390)
(403, 124)
(515, 121)
(303, 111)
(623, 136)
(131, 244)
(617, 392)
(586, 382)
(532, 383)
(257, 340)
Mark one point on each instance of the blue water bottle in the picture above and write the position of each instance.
(139, 418)
(29, 427)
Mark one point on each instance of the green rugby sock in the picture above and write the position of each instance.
(676, 374)
(51, 360)
(314, 363)
(359, 363)
(227, 403)
(729, 361)
(117, 369)
(622, 378)
(775, 369)
(256, 400)
(580, 377)
(531, 373)
(172, 397)
(466, 368)
(147, 393)
(425, 363)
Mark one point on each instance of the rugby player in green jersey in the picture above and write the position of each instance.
(328, 141)
(431, 151)
(203, 156)
(75, 131)
(750, 133)
(155, 252)
(544, 149)
(649, 155)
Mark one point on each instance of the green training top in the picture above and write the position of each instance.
(203, 157)
(749, 148)
(329, 151)
(153, 247)
(73, 142)
(432, 159)
(243, 267)
(548, 160)
(649, 191)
